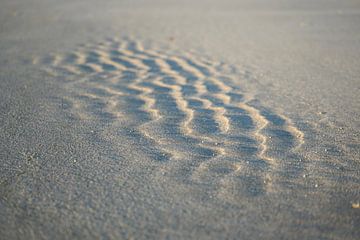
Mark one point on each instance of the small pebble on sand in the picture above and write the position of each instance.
(355, 205)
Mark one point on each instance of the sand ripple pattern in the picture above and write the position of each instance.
(183, 112)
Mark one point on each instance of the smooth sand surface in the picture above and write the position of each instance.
(179, 119)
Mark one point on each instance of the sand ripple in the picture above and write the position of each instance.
(184, 112)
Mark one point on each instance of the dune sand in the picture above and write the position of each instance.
(179, 120)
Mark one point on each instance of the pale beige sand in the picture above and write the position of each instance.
(184, 109)
(117, 126)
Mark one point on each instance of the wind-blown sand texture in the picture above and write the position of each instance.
(185, 115)
(179, 119)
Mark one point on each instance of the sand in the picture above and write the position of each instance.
(179, 120)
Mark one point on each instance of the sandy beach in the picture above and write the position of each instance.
(185, 119)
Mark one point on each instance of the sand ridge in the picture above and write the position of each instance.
(203, 130)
